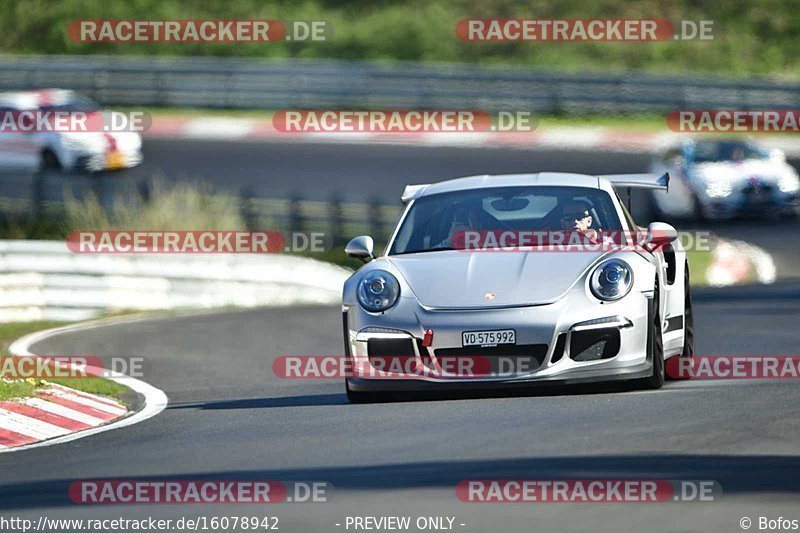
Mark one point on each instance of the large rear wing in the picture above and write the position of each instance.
(639, 181)
(630, 181)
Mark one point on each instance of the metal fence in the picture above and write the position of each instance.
(317, 84)
(339, 220)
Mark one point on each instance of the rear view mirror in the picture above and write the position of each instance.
(361, 248)
(510, 204)
(777, 154)
(660, 234)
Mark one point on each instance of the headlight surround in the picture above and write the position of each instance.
(719, 189)
(377, 291)
(611, 280)
(789, 183)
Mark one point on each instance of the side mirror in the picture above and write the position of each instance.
(777, 154)
(660, 234)
(361, 248)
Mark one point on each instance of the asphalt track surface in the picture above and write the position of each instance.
(318, 170)
(354, 171)
(230, 418)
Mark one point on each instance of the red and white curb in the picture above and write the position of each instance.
(54, 411)
(565, 138)
(59, 414)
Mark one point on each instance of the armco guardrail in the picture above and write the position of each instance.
(239, 83)
(43, 280)
(339, 220)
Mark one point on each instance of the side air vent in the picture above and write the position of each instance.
(558, 352)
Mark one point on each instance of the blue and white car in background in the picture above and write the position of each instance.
(719, 179)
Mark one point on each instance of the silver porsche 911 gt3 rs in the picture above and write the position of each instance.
(472, 309)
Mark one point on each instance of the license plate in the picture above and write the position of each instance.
(488, 338)
(115, 160)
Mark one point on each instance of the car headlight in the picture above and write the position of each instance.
(611, 280)
(378, 291)
(789, 183)
(718, 189)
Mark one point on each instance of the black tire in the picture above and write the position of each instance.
(655, 346)
(50, 161)
(688, 317)
(688, 329)
(794, 211)
(697, 207)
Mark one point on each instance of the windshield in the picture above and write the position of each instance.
(714, 152)
(433, 221)
(75, 103)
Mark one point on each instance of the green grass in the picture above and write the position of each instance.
(25, 388)
(8, 334)
(698, 264)
(16, 389)
(181, 206)
(11, 332)
(185, 206)
(751, 36)
(633, 123)
(101, 386)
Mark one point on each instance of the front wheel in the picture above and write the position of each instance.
(688, 328)
(698, 209)
(49, 161)
(688, 317)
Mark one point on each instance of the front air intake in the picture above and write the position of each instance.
(594, 345)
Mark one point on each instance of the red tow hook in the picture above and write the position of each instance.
(427, 340)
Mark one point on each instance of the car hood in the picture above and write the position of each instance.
(458, 279)
(765, 170)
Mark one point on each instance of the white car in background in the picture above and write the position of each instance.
(90, 151)
(719, 179)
